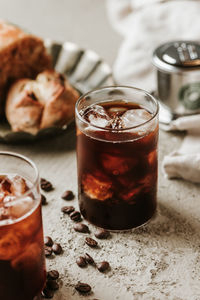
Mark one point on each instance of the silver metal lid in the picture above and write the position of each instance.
(177, 56)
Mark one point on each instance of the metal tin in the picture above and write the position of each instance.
(178, 77)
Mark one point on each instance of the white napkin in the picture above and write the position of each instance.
(185, 163)
(145, 24)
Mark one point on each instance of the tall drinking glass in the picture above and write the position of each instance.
(117, 134)
(22, 263)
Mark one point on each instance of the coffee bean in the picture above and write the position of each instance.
(102, 234)
(83, 288)
(67, 209)
(53, 274)
(47, 251)
(90, 242)
(46, 185)
(57, 249)
(89, 259)
(43, 200)
(81, 262)
(68, 195)
(52, 285)
(103, 266)
(48, 241)
(75, 216)
(80, 227)
(46, 293)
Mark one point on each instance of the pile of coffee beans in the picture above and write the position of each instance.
(51, 284)
(51, 247)
(47, 187)
(82, 261)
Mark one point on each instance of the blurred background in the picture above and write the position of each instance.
(84, 22)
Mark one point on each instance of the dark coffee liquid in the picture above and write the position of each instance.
(22, 264)
(117, 171)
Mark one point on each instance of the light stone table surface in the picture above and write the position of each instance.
(156, 262)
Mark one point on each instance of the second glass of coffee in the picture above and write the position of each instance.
(117, 134)
(22, 261)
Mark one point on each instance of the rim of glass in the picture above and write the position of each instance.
(116, 87)
(31, 163)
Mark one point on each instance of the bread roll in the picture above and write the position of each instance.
(48, 101)
(21, 56)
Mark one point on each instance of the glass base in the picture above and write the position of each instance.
(152, 218)
(37, 297)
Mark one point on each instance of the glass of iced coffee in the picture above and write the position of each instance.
(22, 263)
(117, 135)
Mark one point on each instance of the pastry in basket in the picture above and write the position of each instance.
(47, 101)
(21, 55)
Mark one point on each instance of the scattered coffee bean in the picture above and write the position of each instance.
(43, 200)
(48, 241)
(102, 234)
(46, 185)
(103, 266)
(89, 259)
(75, 216)
(81, 262)
(57, 249)
(52, 285)
(67, 209)
(80, 227)
(47, 251)
(68, 195)
(53, 275)
(90, 242)
(46, 293)
(83, 287)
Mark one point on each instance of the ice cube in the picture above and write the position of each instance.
(148, 181)
(116, 110)
(5, 185)
(2, 196)
(130, 194)
(10, 244)
(8, 198)
(97, 186)
(97, 116)
(135, 117)
(20, 207)
(116, 122)
(18, 185)
(117, 165)
(4, 214)
(152, 158)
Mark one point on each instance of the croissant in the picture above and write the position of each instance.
(47, 101)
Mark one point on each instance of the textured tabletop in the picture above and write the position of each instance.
(158, 261)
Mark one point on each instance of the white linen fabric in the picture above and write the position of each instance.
(144, 25)
(185, 163)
